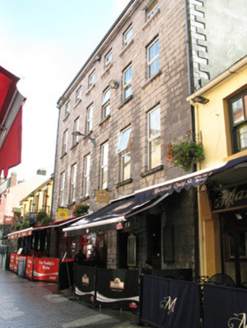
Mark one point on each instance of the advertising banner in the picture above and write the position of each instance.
(16, 263)
(85, 282)
(224, 307)
(118, 286)
(12, 261)
(46, 269)
(29, 267)
(170, 303)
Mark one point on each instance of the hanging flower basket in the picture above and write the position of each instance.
(184, 152)
(80, 209)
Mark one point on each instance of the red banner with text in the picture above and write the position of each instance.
(46, 269)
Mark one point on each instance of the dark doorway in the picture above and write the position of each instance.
(122, 249)
(234, 246)
(154, 240)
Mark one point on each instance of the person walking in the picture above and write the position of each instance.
(80, 257)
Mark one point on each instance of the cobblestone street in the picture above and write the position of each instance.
(28, 304)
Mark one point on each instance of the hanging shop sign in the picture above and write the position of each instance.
(62, 214)
(226, 199)
(102, 196)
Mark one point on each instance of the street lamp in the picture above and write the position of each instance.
(78, 133)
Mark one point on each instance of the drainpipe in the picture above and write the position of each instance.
(55, 163)
(194, 191)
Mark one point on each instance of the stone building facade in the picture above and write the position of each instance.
(127, 102)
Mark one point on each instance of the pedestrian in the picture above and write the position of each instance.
(80, 257)
(94, 256)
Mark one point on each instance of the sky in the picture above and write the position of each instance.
(45, 43)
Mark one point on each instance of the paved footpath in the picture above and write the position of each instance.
(27, 304)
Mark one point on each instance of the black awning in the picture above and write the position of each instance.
(195, 179)
(115, 212)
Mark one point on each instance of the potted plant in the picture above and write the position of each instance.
(80, 209)
(184, 152)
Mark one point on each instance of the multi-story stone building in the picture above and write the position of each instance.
(123, 107)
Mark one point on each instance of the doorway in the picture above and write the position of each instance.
(234, 246)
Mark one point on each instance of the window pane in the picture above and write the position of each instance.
(154, 67)
(238, 111)
(245, 106)
(154, 153)
(242, 137)
(106, 111)
(104, 177)
(107, 95)
(126, 166)
(154, 50)
(154, 122)
(124, 140)
(128, 75)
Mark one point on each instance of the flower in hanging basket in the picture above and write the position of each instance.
(184, 152)
(80, 209)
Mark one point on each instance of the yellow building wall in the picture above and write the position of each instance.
(212, 121)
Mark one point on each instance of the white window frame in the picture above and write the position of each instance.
(152, 138)
(152, 9)
(108, 59)
(62, 189)
(106, 103)
(104, 166)
(78, 95)
(65, 140)
(238, 121)
(76, 129)
(124, 151)
(89, 119)
(127, 84)
(154, 60)
(67, 108)
(91, 79)
(86, 185)
(73, 183)
(128, 36)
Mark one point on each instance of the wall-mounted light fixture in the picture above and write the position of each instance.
(113, 84)
(200, 100)
(78, 133)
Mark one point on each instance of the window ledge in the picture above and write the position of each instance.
(71, 204)
(90, 89)
(64, 154)
(105, 119)
(82, 199)
(77, 103)
(123, 183)
(74, 145)
(125, 101)
(107, 69)
(152, 79)
(150, 20)
(66, 116)
(152, 171)
(126, 47)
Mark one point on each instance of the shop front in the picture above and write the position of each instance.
(223, 223)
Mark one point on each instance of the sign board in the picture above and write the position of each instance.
(8, 220)
(102, 196)
(16, 209)
(62, 213)
(227, 199)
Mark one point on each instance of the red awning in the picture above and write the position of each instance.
(11, 104)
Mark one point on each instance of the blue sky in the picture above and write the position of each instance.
(45, 43)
